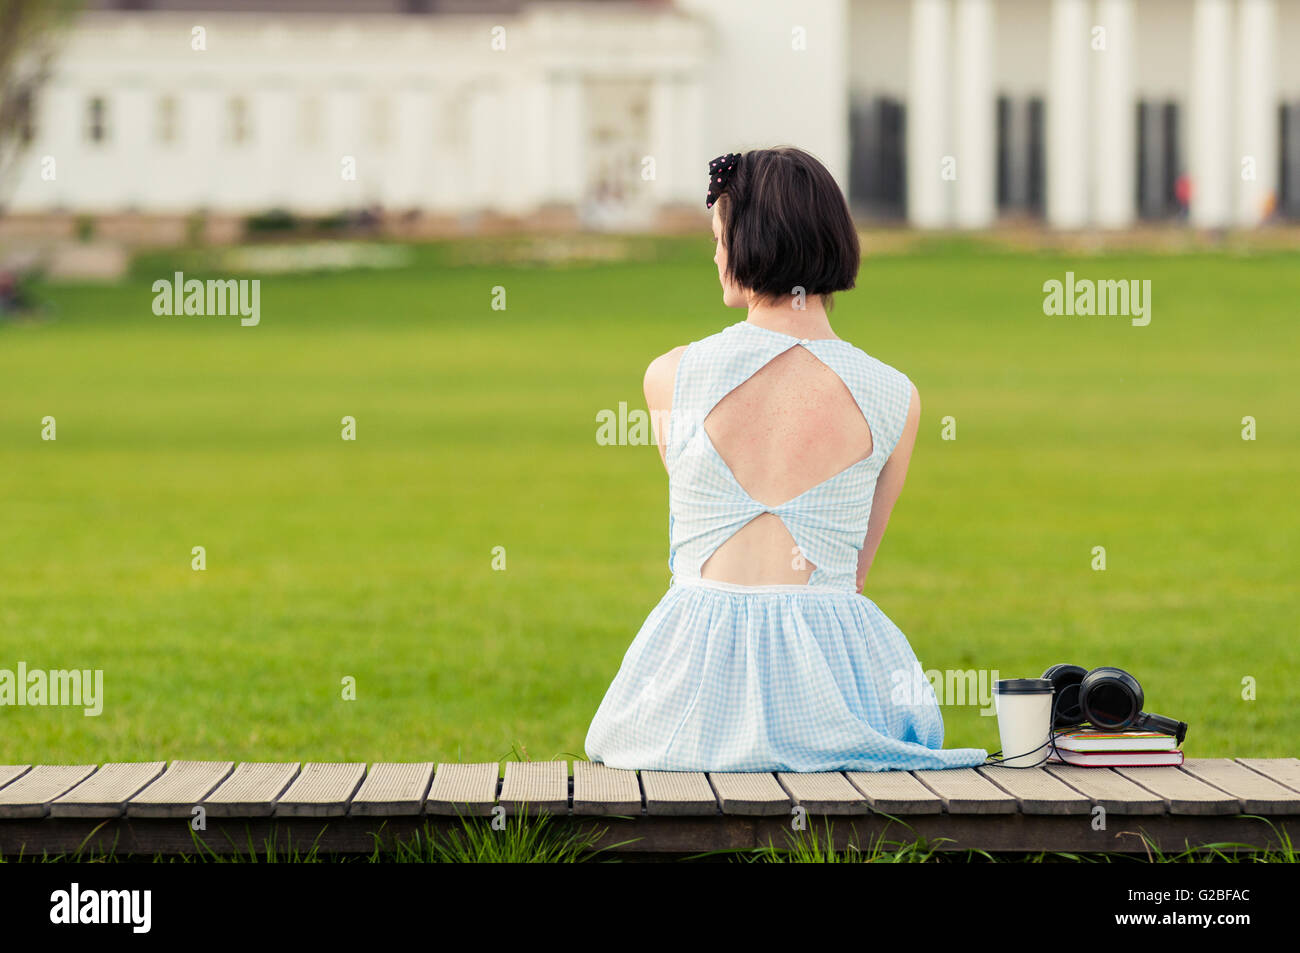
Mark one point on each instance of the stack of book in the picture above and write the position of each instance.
(1115, 749)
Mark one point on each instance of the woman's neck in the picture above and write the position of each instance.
(808, 322)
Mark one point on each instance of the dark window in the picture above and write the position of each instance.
(877, 178)
(1004, 151)
(237, 127)
(1288, 174)
(26, 117)
(166, 119)
(97, 120)
(1173, 158)
(1020, 155)
(1037, 155)
(1159, 160)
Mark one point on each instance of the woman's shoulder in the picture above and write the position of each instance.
(664, 367)
(661, 375)
(875, 365)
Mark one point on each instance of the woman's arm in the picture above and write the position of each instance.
(659, 379)
(888, 485)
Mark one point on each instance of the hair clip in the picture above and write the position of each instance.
(721, 170)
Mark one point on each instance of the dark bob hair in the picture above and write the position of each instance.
(785, 224)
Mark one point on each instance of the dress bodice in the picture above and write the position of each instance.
(707, 504)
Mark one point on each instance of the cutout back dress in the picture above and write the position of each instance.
(730, 677)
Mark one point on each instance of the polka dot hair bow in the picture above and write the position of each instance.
(721, 170)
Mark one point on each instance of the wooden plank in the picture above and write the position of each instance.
(678, 794)
(895, 792)
(11, 772)
(1182, 793)
(31, 794)
(538, 787)
(966, 791)
(105, 793)
(180, 789)
(393, 789)
(823, 793)
(1284, 771)
(1255, 793)
(1036, 791)
(468, 789)
(252, 790)
(750, 793)
(601, 790)
(1106, 789)
(323, 789)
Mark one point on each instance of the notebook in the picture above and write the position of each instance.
(1117, 759)
(1092, 739)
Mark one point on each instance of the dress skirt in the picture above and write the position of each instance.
(724, 677)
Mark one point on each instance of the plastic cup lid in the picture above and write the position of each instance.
(1023, 686)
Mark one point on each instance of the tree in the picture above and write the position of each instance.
(29, 32)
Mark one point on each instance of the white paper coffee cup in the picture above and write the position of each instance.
(1024, 707)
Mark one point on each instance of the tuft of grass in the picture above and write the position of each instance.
(535, 840)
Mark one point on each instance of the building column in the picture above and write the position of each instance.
(1256, 110)
(568, 138)
(416, 142)
(60, 121)
(1115, 116)
(976, 115)
(272, 116)
(1067, 115)
(665, 143)
(692, 164)
(345, 134)
(133, 140)
(927, 115)
(530, 159)
(1210, 123)
(201, 128)
(486, 130)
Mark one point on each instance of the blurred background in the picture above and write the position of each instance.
(456, 115)
(474, 225)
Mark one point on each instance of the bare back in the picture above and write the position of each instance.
(789, 427)
(786, 434)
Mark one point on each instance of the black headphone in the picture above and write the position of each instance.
(1107, 698)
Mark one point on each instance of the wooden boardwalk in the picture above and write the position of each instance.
(147, 807)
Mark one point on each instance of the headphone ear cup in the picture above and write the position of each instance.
(1066, 680)
(1110, 698)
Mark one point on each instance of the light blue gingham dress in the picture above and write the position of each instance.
(725, 677)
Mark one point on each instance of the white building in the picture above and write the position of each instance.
(1087, 112)
(946, 113)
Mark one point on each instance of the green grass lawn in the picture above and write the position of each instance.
(476, 429)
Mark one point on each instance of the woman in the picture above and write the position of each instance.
(786, 448)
